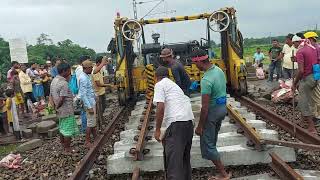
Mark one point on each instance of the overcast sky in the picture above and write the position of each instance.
(90, 23)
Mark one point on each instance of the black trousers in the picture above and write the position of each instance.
(103, 101)
(2, 121)
(177, 144)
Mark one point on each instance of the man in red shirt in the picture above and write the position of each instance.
(306, 57)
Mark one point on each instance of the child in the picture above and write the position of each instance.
(260, 72)
(12, 113)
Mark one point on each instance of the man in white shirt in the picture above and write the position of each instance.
(288, 51)
(78, 72)
(175, 109)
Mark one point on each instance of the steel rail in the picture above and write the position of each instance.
(88, 160)
(295, 145)
(301, 133)
(283, 170)
(138, 151)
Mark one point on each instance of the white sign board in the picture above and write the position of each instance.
(18, 50)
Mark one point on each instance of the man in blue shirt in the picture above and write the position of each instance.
(54, 70)
(180, 75)
(87, 96)
(258, 57)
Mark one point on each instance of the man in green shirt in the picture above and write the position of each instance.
(213, 110)
(275, 57)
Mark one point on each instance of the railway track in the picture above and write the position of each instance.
(86, 163)
(308, 142)
(50, 162)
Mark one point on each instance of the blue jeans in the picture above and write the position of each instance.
(83, 116)
(274, 65)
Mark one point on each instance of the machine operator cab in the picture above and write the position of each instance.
(133, 77)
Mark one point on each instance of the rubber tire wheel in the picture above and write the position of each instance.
(243, 87)
(122, 98)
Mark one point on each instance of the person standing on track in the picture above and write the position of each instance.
(87, 96)
(78, 72)
(179, 73)
(213, 110)
(275, 58)
(63, 103)
(288, 51)
(99, 85)
(307, 56)
(174, 107)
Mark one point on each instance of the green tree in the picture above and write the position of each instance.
(44, 39)
(4, 59)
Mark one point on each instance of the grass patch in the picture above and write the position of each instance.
(248, 53)
(4, 150)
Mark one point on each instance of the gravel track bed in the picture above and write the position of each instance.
(305, 159)
(49, 161)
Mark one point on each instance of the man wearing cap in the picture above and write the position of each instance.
(87, 96)
(288, 51)
(296, 40)
(213, 110)
(49, 67)
(306, 57)
(78, 72)
(174, 108)
(179, 73)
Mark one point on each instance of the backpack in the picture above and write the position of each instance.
(73, 84)
(316, 67)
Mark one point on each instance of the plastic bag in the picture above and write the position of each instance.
(316, 72)
(11, 161)
(73, 84)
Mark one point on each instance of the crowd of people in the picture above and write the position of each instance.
(27, 86)
(32, 86)
(297, 60)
